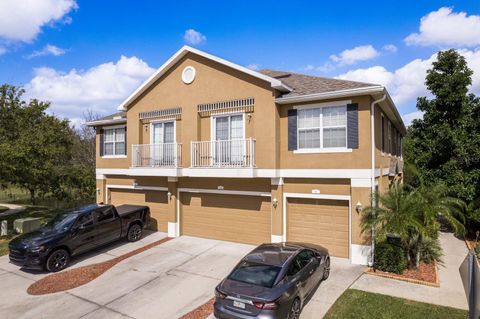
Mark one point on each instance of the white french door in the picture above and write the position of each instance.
(229, 139)
(163, 140)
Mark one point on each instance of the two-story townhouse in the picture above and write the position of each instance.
(224, 152)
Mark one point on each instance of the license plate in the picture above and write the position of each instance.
(238, 304)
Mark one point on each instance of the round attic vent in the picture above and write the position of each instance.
(188, 74)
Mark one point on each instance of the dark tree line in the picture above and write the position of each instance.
(41, 153)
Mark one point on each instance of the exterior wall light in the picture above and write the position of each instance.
(275, 202)
(98, 191)
(169, 194)
(358, 207)
(135, 184)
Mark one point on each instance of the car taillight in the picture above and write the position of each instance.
(265, 305)
(218, 294)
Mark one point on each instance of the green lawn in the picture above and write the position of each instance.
(359, 304)
(44, 213)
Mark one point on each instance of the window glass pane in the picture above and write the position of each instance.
(221, 128)
(309, 138)
(334, 116)
(108, 149)
(108, 135)
(236, 130)
(157, 133)
(169, 133)
(309, 118)
(120, 148)
(335, 137)
(120, 135)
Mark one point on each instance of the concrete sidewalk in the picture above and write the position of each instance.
(450, 293)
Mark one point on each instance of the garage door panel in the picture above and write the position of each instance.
(236, 218)
(322, 222)
(156, 200)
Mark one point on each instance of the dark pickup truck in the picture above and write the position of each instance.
(77, 231)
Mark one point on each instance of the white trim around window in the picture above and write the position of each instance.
(114, 141)
(152, 123)
(317, 126)
(213, 122)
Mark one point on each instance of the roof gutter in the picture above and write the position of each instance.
(107, 122)
(372, 181)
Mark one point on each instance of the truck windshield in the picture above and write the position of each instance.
(62, 221)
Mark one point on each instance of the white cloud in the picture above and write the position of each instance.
(447, 28)
(194, 37)
(390, 48)
(357, 54)
(253, 66)
(22, 20)
(47, 50)
(407, 83)
(100, 88)
(409, 117)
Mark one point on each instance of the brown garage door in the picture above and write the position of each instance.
(319, 221)
(244, 219)
(156, 200)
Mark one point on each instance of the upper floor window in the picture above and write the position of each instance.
(322, 128)
(114, 141)
(382, 130)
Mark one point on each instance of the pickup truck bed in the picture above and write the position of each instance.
(123, 210)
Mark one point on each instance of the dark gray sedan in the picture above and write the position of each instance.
(273, 281)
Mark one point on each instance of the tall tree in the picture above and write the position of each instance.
(445, 144)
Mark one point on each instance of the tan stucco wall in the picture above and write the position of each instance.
(213, 83)
(100, 192)
(359, 195)
(237, 184)
(325, 186)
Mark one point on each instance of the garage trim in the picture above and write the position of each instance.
(150, 188)
(175, 231)
(320, 196)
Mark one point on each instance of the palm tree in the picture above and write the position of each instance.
(412, 214)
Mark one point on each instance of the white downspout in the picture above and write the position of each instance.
(372, 181)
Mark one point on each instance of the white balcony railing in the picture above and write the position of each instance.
(157, 155)
(223, 154)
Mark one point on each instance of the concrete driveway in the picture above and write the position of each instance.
(166, 281)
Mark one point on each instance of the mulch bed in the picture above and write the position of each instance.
(77, 277)
(426, 274)
(201, 312)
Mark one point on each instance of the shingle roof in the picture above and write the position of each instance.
(303, 84)
(112, 116)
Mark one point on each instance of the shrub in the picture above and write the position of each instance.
(390, 258)
(477, 250)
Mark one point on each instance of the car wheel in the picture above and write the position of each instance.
(295, 310)
(326, 269)
(134, 232)
(58, 260)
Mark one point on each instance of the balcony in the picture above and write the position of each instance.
(236, 153)
(168, 155)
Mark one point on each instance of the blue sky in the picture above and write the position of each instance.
(84, 55)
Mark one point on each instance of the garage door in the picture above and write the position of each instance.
(238, 218)
(319, 221)
(156, 200)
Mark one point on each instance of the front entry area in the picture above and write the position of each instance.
(323, 222)
(156, 200)
(236, 218)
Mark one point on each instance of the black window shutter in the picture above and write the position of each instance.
(101, 141)
(292, 130)
(125, 141)
(352, 125)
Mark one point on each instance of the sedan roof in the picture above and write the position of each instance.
(275, 254)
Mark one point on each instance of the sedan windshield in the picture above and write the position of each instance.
(255, 274)
(62, 221)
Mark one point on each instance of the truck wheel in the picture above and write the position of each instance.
(134, 232)
(58, 260)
